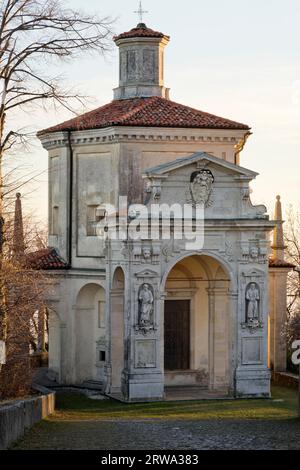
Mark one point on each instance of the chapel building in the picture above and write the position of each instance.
(138, 318)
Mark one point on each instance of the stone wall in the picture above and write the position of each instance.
(15, 418)
(286, 379)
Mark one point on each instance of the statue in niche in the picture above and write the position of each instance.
(252, 305)
(146, 300)
(201, 187)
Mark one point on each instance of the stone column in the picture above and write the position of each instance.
(67, 377)
(277, 318)
(233, 337)
(55, 355)
(117, 338)
(41, 330)
(218, 338)
(278, 272)
(252, 376)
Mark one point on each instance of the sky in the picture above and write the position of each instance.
(239, 59)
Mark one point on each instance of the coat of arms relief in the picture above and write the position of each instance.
(201, 188)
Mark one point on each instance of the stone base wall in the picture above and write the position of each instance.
(21, 415)
(253, 383)
(286, 379)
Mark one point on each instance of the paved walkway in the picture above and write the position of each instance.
(82, 423)
(147, 435)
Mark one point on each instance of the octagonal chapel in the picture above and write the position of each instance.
(138, 317)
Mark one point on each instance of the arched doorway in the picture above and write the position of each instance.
(117, 330)
(197, 324)
(90, 333)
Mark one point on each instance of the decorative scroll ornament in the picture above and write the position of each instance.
(229, 251)
(169, 250)
(201, 188)
(153, 190)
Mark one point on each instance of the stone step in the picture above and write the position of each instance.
(92, 385)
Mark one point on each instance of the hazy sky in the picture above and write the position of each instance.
(236, 58)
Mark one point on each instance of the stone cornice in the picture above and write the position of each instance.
(77, 273)
(117, 134)
(281, 269)
(143, 40)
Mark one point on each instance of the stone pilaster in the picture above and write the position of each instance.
(277, 318)
(218, 338)
(278, 273)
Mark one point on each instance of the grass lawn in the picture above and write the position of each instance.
(76, 407)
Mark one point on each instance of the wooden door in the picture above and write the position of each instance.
(177, 335)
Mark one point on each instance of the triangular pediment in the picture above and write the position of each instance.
(253, 273)
(146, 273)
(202, 159)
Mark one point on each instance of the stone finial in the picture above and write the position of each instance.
(18, 248)
(278, 246)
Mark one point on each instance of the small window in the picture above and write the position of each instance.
(91, 221)
(94, 215)
(102, 356)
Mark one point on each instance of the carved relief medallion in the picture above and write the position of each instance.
(200, 189)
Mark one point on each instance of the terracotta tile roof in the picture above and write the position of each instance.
(146, 112)
(276, 263)
(141, 31)
(47, 258)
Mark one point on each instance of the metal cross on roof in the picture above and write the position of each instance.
(141, 12)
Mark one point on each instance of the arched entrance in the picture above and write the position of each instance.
(117, 330)
(197, 324)
(90, 330)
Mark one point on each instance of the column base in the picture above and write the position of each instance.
(143, 387)
(252, 383)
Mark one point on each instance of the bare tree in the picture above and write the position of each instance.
(26, 290)
(292, 241)
(34, 33)
(25, 298)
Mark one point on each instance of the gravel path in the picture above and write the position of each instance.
(163, 435)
